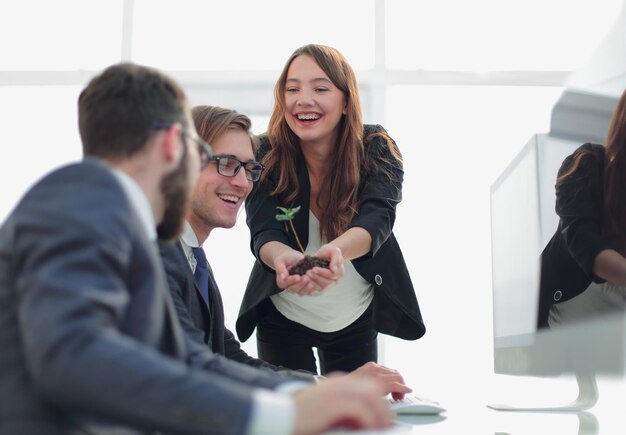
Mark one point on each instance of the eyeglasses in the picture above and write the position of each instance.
(204, 149)
(229, 166)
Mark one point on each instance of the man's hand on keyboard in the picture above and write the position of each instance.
(391, 379)
(341, 402)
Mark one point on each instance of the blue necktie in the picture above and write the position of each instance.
(202, 272)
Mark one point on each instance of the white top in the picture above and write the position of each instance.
(333, 308)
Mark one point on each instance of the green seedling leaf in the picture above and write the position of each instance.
(288, 214)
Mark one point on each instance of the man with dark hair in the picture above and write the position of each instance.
(89, 337)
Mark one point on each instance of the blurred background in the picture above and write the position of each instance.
(461, 86)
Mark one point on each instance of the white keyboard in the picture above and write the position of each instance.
(416, 405)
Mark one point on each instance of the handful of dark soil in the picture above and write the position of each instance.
(308, 262)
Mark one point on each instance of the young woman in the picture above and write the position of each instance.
(583, 269)
(347, 179)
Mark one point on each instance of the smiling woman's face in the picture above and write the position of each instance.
(313, 104)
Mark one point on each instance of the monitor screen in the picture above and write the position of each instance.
(515, 248)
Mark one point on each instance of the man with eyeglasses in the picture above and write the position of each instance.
(222, 188)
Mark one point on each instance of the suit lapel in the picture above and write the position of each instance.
(172, 327)
(196, 295)
(191, 279)
(214, 339)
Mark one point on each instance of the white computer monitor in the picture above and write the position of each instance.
(522, 222)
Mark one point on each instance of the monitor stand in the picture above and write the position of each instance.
(587, 424)
(587, 397)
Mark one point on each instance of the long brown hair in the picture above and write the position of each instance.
(340, 188)
(614, 177)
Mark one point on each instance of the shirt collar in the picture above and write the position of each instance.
(139, 202)
(189, 240)
(189, 236)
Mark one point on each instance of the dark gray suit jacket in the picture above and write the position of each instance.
(205, 324)
(88, 332)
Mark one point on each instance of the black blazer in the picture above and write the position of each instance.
(205, 324)
(395, 308)
(88, 331)
(567, 260)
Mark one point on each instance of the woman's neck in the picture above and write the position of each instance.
(318, 157)
(318, 161)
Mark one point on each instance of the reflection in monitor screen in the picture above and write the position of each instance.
(520, 227)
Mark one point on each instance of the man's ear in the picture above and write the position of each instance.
(171, 143)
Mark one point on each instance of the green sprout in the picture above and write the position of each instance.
(288, 215)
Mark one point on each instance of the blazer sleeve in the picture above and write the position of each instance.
(381, 190)
(233, 350)
(238, 373)
(236, 353)
(261, 213)
(579, 207)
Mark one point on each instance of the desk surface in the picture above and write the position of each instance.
(469, 415)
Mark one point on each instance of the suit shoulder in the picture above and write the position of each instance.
(167, 249)
(373, 128)
(77, 183)
(173, 257)
(376, 137)
(84, 194)
(379, 145)
(592, 149)
(264, 146)
(595, 151)
(590, 157)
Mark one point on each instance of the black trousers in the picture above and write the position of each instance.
(283, 342)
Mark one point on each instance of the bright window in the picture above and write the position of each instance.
(455, 141)
(488, 35)
(41, 133)
(244, 35)
(60, 35)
